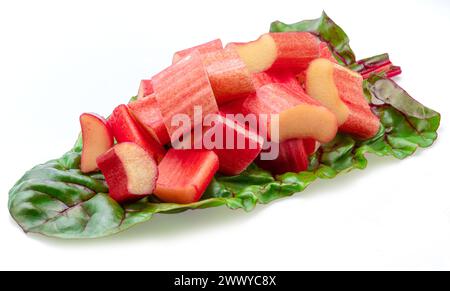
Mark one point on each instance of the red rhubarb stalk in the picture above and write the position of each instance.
(145, 89)
(235, 145)
(180, 90)
(126, 129)
(130, 172)
(300, 116)
(184, 175)
(230, 79)
(147, 113)
(293, 157)
(204, 48)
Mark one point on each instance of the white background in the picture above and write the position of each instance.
(61, 58)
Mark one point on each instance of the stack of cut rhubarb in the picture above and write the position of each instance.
(207, 99)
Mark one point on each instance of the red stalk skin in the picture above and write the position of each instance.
(184, 175)
(126, 129)
(233, 107)
(115, 174)
(296, 50)
(380, 64)
(147, 113)
(229, 77)
(285, 77)
(361, 121)
(145, 89)
(377, 70)
(180, 88)
(261, 79)
(274, 99)
(292, 157)
(270, 99)
(325, 52)
(394, 72)
(389, 70)
(205, 48)
(265, 101)
(310, 146)
(234, 160)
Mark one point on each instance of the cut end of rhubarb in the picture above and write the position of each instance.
(130, 172)
(139, 166)
(320, 85)
(341, 91)
(308, 121)
(97, 139)
(229, 76)
(258, 55)
(285, 50)
(361, 121)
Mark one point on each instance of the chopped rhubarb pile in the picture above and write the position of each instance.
(272, 102)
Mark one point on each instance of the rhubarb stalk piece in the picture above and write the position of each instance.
(147, 113)
(233, 107)
(341, 90)
(285, 50)
(299, 115)
(205, 48)
(184, 175)
(311, 146)
(293, 157)
(235, 145)
(145, 89)
(277, 77)
(179, 89)
(229, 76)
(130, 172)
(97, 139)
(126, 129)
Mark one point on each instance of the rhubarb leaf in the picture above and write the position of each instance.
(327, 30)
(409, 124)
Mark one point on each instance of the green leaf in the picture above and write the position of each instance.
(133, 99)
(409, 124)
(327, 30)
(57, 200)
